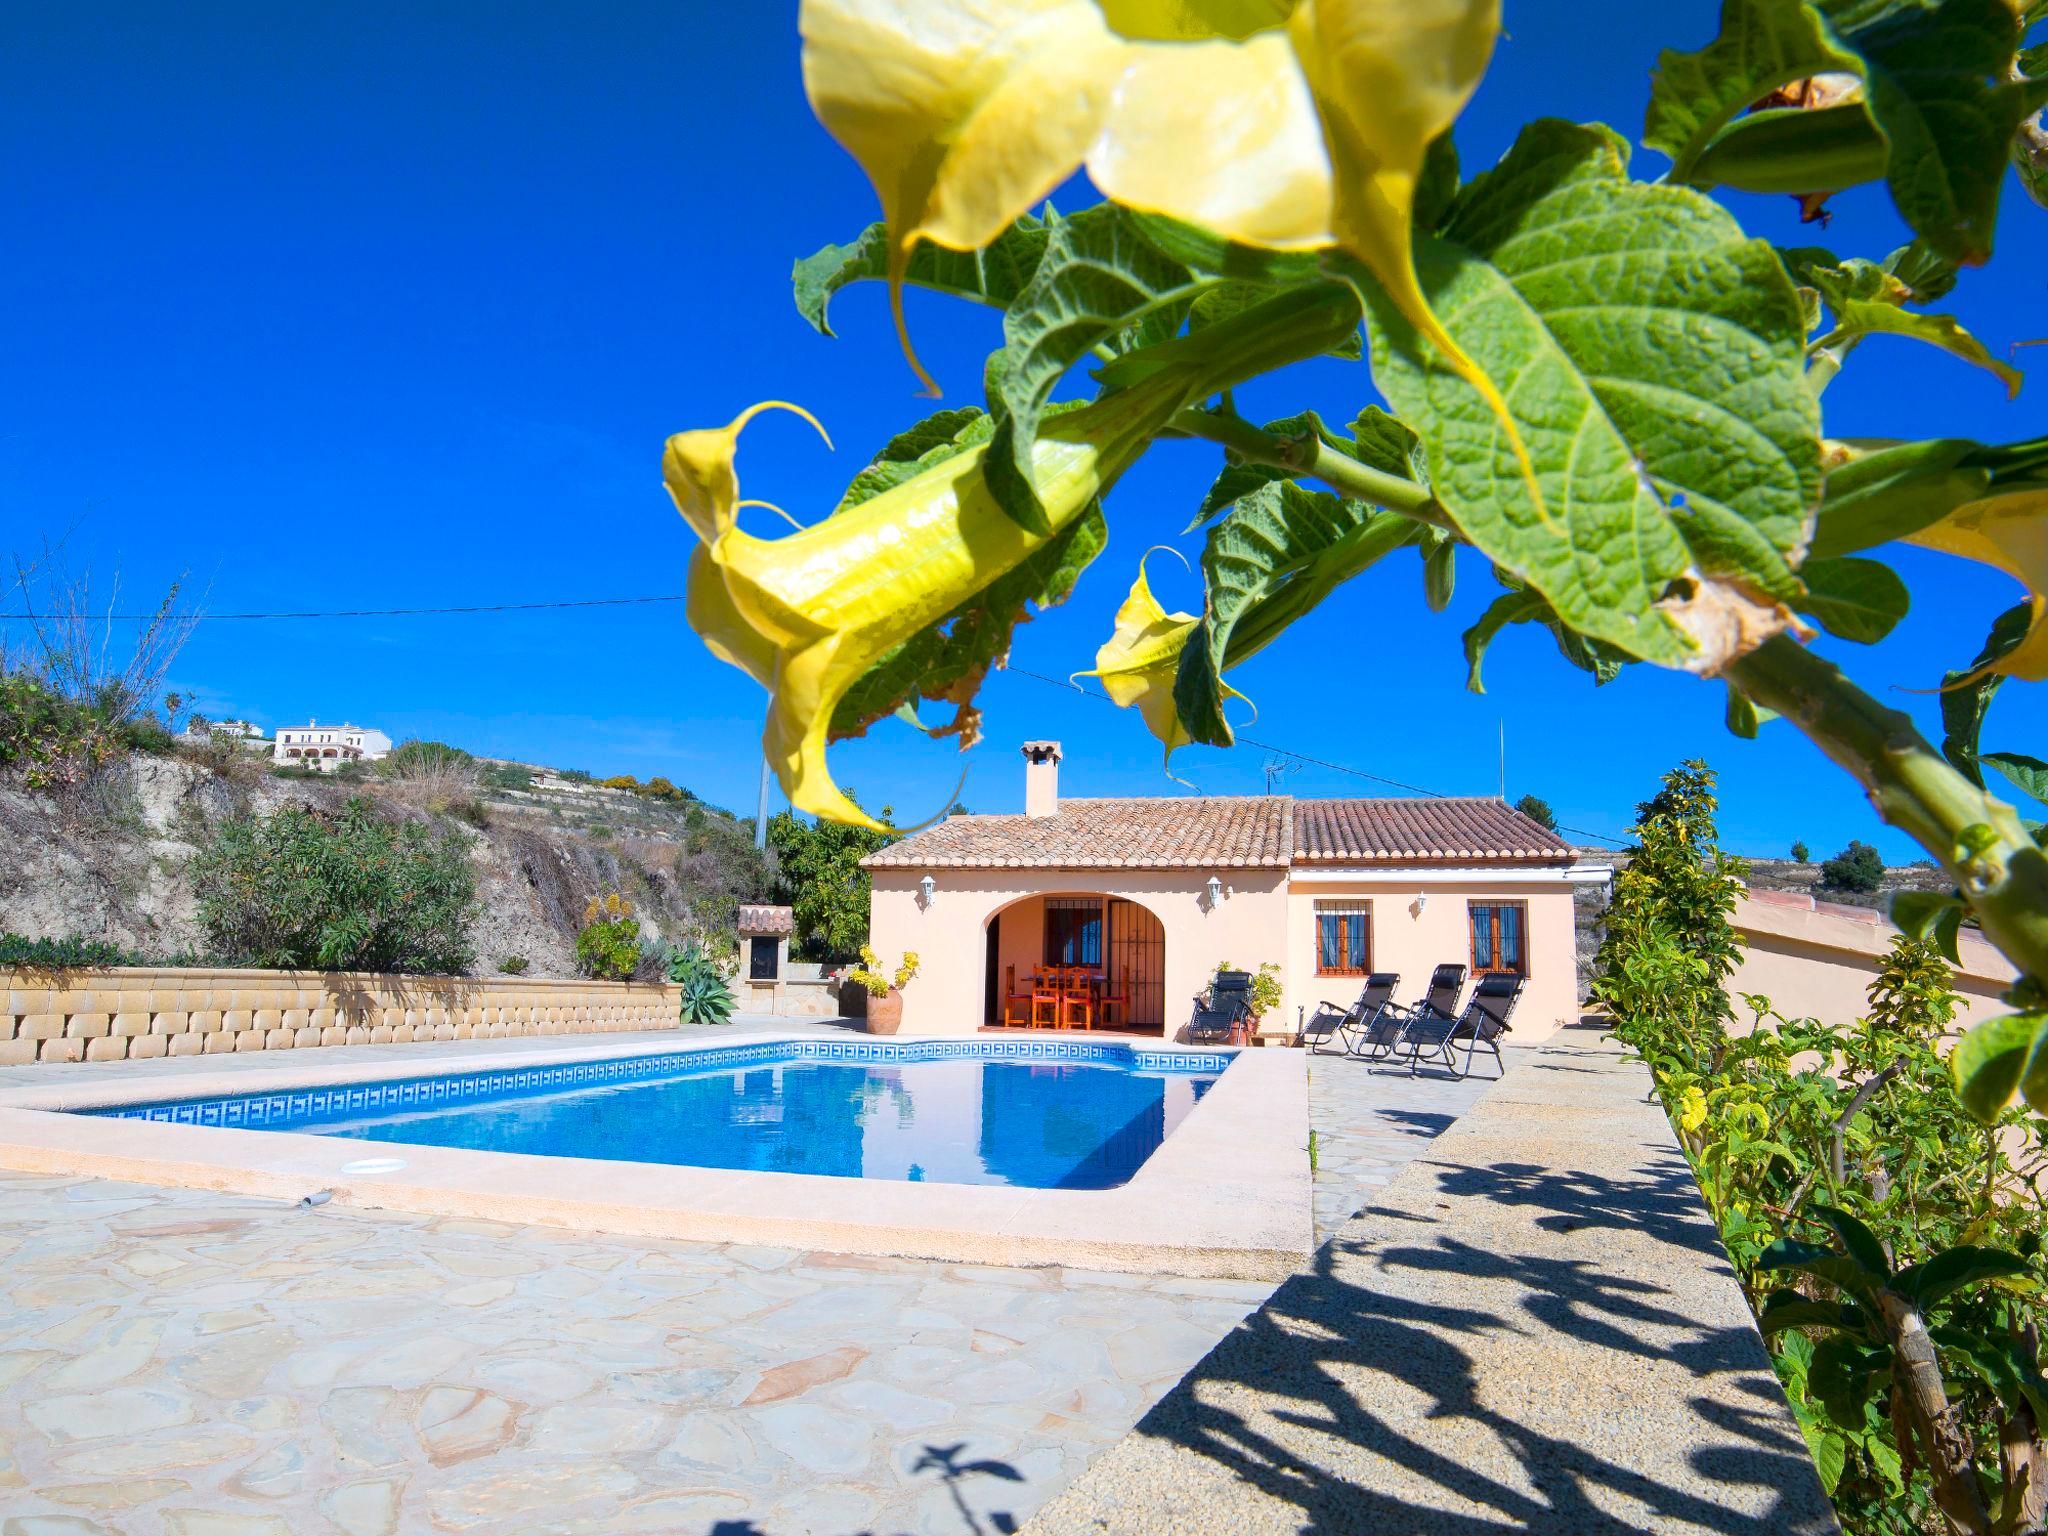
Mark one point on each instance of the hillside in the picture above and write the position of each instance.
(111, 864)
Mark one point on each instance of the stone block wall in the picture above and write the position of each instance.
(121, 1013)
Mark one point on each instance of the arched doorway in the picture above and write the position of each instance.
(1119, 939)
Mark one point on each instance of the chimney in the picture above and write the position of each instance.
(1041, 778)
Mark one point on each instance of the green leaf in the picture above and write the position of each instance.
(1868, 299)
(1788, 1309)
(1097, 278)
(1389, 445)
(949, 659)
(1519, 605)
(1951, 1270)
(1830, 1453)
(1670, 497)
(2030, 774)
(1279, 553)
(1936, 74)
(1966, 696)
(1839, 1377)
(1763, 44)
(993, 275)
(1853, 598)
(1858, 1242)
(1991, 1061)
(1198, 250)
(914, 450)
(1917, 912)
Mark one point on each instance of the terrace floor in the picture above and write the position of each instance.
(203, 1365)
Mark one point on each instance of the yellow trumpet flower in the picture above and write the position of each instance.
(1139, 661)
(1276, 124)
(2009, 533)
(808, 613)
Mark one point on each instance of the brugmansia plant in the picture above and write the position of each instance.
(1593, 378)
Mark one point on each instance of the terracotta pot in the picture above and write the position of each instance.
(885, 1013)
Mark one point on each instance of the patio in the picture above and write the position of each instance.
(191, 1363)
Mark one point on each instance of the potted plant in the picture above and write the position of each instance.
(885, 993)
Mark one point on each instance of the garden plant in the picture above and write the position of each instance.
(1586, 371)
(1889, 1241)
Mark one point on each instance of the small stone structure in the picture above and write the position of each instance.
(123, 1012)
(767, 982)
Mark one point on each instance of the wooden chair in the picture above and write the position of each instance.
(1077, 1001)
(1016, 1005)
(1045, 1003)
(1117, 1001)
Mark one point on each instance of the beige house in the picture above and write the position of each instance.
(1156, 892)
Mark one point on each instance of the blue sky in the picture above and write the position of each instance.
(393, 305)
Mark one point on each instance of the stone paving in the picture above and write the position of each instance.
(202, 1365)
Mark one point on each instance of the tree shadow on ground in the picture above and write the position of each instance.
(949, 1464)
(1342, 1366)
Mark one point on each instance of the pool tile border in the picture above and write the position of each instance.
(1227, 1195)
(352, 1100)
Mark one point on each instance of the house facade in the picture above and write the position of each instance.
(1156, 892)
(327, 747)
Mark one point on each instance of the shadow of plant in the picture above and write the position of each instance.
(1356, 1364)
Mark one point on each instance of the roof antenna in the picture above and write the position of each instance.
(1278, 769)
(1503, 758)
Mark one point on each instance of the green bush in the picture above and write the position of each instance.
(1858, 867)
(305, 889)
(47, 741)
(1801, 853)
(1538, 810)
(705, 999)
(608, 948)
(415, 756)
(513, 965)
(508, 776)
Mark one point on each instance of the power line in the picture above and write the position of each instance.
(1267, 746)
(380, 613)
(625, 602)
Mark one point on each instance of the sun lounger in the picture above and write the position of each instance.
(1436, 1038)
(1365, 1028)
(1224, 1011)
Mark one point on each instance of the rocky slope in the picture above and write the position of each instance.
(111, 865)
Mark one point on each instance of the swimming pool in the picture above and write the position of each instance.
(1069, 1115)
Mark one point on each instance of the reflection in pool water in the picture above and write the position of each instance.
(957, 1120)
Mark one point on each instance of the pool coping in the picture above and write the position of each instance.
(1227, 1195)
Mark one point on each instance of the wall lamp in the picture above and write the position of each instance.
(1215, 892)
(925, 888)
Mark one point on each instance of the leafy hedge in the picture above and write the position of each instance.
(1887, 1240)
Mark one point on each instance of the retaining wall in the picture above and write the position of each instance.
(108, 1015)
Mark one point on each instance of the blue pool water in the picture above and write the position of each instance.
(1043, 1115)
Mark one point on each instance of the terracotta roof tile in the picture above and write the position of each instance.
(1453, 830)
(1164, 832)
(765, 919)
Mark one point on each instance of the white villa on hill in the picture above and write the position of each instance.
(327, 747)
(1153, 893)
